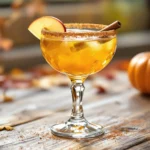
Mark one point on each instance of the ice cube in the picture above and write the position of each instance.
(77, 46)
(94, 45)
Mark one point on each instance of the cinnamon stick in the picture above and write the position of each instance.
(113, 26)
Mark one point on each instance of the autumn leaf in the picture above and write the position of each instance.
(5, 44)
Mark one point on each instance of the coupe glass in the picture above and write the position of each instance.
(79, 52)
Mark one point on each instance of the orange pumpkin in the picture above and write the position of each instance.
(139, 72)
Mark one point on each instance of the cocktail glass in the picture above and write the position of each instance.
(79, 52)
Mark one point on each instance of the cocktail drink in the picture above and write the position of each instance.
(78, 52)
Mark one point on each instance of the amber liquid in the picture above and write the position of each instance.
(78, 57)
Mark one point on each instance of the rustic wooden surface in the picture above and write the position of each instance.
(122, 110)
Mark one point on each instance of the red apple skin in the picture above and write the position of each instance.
(60, 22)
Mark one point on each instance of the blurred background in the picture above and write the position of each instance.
(20, 49)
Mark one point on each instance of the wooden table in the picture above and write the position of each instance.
(122, 110)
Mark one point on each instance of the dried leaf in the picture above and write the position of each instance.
(109, 76)
(21, 83)
(42, 70)
(5, 44)
(1, 70)
(8, 128)
(16, 71)
(121, 65)
(48, 81)
(17, 4)
(2, 128)
(7, 99)
(100, 89)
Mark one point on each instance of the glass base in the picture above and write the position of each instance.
(77, 129)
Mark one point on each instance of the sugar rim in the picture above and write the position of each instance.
(101, 34)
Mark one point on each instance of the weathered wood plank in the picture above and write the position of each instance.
(36, 99)
(124, 114)
(115, 138)
(145, 146)
(41, 98)
(42, 126)
(33, 113)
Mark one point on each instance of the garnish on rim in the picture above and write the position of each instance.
(48, 22)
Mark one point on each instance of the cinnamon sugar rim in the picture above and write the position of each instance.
(87, 26)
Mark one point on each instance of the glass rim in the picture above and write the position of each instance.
(88, 26)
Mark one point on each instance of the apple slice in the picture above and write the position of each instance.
(49, 22)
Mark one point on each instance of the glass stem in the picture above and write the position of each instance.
(77, 89)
